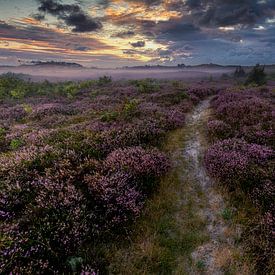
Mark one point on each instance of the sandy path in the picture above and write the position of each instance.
(216, 255)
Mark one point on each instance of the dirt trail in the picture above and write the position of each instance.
(216, 255)
(186, 227)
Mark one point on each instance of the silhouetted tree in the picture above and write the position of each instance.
(257, 76)
(239, 72)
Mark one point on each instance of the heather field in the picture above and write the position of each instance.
(136, 177)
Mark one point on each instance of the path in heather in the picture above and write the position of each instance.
(182, 230)
(216, 256)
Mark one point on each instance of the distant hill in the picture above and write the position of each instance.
(200, 66)
(54, 63)
(179, 66)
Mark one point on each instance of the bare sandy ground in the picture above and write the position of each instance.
(59, 73)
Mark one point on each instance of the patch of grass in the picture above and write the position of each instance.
(109, 116)
(227, 214)
(200, 265)
(15, 144)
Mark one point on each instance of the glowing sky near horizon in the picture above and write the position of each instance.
(112, 33)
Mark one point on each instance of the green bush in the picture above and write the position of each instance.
(87, 84)
(18, 92)
(10, 86)
(109, 116)
(27, 108)
(71, 90)
(2, 136)
(130, 109)
(104, 80)
(146, 85)
(16, 143)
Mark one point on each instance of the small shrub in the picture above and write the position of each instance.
(87, 84)
(239, 72)
(257, 76)
(2, 133)
(18, 92)
(146, 85)
(27, 108)
(130, 109)
(104, 80)
(109, 116)
(3, 142)
(94, 93)
(16, 143)
(71, 90)
(201, 265)
(226, 214)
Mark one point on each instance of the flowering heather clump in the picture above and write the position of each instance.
(12, 113)
(258, 133)
(249, 115)
(174, 119)
(117, 199)
(138, 162)
(48, 109)
(218, 129)
(244, 111)
(236, 162)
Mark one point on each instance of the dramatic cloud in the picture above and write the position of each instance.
(228, 13)
(72, 15)
(141, 31)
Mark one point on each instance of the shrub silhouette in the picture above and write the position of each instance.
(256, 76)
(239, 72)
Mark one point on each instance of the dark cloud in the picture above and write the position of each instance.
(175, 30)
(54, 7)
(138, 44)
(38, 16)
(82, 48)
(124, 34)
(81, 22)
(72, 15)
(227, 13)
(193, 3)
(148, 3)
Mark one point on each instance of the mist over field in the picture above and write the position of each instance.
(56, 73)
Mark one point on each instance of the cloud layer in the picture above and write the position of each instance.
(144, 31)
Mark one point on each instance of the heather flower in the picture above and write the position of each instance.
(218, 129)
(116, 196)
(236, 162)
(137, 161)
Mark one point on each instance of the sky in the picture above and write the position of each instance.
(115, 33)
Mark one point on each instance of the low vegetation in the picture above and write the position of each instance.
(80, 161)
(241, 157)
(77, 164)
